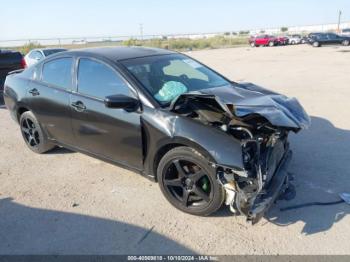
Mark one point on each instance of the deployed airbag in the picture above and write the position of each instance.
(170, 90)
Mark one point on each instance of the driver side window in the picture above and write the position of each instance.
(99, 80)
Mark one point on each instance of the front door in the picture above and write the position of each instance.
(114, 134)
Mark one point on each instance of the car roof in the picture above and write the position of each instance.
(47, 49)
(119, 53)
(53, 48)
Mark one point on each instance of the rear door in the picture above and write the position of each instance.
(109, 133)
(332, 39)
(337, 39)
(49, 98)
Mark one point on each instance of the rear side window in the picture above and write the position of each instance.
(99, 80)
(332, 36)
(58, 72)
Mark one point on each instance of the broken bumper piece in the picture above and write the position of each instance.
(278, 184)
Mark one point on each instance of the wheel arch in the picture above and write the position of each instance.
(166, 146)
(20, 110)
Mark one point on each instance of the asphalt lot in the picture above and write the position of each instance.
(68, 203)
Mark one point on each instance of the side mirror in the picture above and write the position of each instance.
(127, 103)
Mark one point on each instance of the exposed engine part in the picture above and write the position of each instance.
(230, 192)
(230, 198)
(240, 128)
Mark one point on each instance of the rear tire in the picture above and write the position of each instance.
(346, 42)
(271, 44)
(33, 134)
(189, 183)
(252, 44)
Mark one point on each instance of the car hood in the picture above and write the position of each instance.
(248, 99)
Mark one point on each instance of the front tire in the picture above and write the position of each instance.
(33, 135)
(316, 44)
(271, 44)
(346, 42)
(189, 183)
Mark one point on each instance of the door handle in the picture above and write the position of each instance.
(34, 92)
(79, 106)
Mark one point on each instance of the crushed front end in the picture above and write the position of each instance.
(266, 157)
(260, 121)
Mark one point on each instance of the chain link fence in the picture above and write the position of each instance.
(173, 41)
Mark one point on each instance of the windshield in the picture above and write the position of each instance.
(168, 76)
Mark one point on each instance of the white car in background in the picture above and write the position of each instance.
(294, 39)
(35, 55)
(345, 32)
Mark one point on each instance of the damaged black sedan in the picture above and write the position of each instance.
(206, 140)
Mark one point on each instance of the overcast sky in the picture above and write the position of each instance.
(75, 18)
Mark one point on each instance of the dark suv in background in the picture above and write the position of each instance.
(9, 61)
(319, 39)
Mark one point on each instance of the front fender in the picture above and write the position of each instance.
(163, 128)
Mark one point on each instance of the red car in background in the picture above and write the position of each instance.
(282, 40)
(263, 40)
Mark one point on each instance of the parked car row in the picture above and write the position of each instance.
(314, 39)
(269, 40)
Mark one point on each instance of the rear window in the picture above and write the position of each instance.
(58, 72)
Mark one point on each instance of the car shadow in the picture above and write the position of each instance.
(27, 230)
(320, 166)
(60, 150)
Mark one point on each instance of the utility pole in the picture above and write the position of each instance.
(339, 16)
(141, 31)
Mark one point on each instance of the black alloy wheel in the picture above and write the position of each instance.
(188, 182)
(33, 135)
(30, 133)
